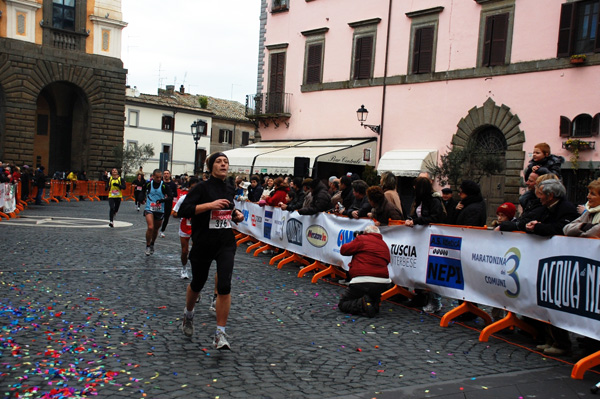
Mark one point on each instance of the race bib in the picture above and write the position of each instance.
(138, 188)
(220, 219)
(154, 207)
(115, 193)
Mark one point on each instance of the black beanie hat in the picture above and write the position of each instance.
(210, 161)
(469, 187)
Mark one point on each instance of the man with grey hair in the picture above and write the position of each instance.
(557, 212)
(368, 271)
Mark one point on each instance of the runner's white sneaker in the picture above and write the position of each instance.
(220, 340)
(110, 224)
(184, 274)
(162, 235)
(148, 251)
(188, 326)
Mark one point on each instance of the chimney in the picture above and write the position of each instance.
(182, 89)
(170, 90)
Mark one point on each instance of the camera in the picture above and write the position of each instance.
(357, 233)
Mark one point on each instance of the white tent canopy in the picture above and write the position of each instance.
(407, 162)
(277, 157)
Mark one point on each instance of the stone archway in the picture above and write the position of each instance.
(491, 116)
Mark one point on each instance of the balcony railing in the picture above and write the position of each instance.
(64, 39)
(268, 105)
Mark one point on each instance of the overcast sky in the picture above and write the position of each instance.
(211, 47)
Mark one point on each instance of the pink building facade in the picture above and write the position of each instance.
(435, 73)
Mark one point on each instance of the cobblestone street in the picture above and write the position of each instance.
(84, 311)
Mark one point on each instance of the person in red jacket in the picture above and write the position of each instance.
(368, 273)
(279, 192)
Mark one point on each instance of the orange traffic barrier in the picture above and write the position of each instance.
(264, 248)
(584, 365)
(331, 270)
(254, 246)
(128, 192)
(510, 320)
(465, 307)
(293, 258)
(316, 265)
(395, 291)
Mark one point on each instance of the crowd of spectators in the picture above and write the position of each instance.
(542, 210)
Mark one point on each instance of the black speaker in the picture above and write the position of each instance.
(301, 166)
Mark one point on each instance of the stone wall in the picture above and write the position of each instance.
(26, 68)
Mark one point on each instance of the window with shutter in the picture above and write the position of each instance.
(221, 136)
(276, 83)
(565, 30)
(245, 138)
(578, 28)
(494, 45)
(423, 50)
(168, 123)
(565, 127)
(229, 136)
(314, 63)
(582, 125)
(363, 55)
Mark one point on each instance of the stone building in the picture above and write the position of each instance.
(62, 83)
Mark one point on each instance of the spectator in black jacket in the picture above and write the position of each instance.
(449, 204)
(557, 213)
(321, 200)
(40, 183)
(255, 190)
(360, 206)
(470, 211)
(383, 210)
(298, 200)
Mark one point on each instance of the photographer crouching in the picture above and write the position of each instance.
(368, 272)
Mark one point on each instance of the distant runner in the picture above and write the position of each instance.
(114, 185)
(156, 193)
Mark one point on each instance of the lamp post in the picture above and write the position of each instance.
(362, 113)
(198, 128)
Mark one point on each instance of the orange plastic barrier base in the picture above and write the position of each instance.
(254, 246)
(292, 258)
(246, 239)
(584, 365)
(264, 248)
(316, 265)
(510, 320)
(332, 270)
(4, 215)
(282, 255)
(395, 291)
(465, 307)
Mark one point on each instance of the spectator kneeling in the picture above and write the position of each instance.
(368, 272)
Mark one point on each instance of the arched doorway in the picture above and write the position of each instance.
(491, 141)
(62, 128)
(494, 128)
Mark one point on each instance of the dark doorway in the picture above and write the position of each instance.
(490, 140)
(62, 128)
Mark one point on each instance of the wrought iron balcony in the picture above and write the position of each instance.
(268, 106)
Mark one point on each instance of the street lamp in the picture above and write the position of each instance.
(362, 115)
(198, 128)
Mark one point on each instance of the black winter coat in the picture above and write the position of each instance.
(555, 218)
(550, 164)
(473, 212)
(321, 201)
(432, 211)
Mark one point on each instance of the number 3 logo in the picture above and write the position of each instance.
(512, 273)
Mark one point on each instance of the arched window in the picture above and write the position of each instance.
(490, 140)
(582, 125)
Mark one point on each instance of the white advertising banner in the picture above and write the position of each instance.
(553, 279)
(7, 197)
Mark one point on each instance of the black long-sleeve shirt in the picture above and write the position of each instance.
(202, 193)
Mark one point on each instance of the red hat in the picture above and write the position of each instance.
(507, 209)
